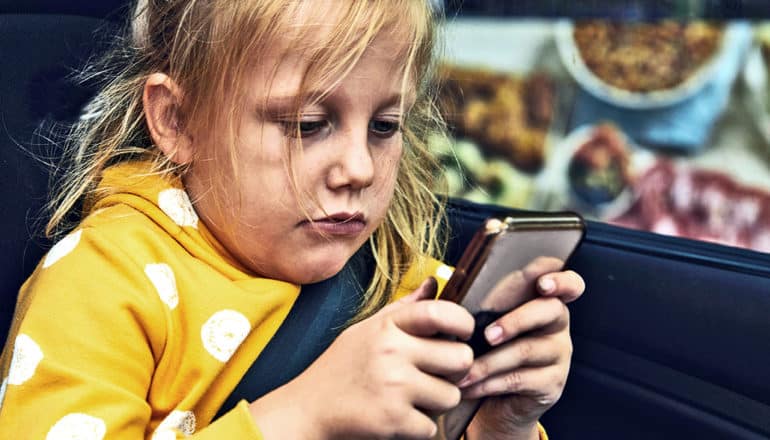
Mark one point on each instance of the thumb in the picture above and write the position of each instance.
(427, 290)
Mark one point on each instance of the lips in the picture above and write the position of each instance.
(340, 223)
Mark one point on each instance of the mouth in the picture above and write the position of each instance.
(340, 223)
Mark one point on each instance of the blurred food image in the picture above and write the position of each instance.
(508, 116)
(763, 40)
(591, 171)
(757, 81)
(599, 169)
(700, 204)
(644, 57)
(474, 177)
(621, 121)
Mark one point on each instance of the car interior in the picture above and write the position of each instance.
(671, 338)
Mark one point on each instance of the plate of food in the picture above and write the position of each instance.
(756, 76)
(508, 116)
(592, 172)
(643, 65)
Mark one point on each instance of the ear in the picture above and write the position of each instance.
(162, 98)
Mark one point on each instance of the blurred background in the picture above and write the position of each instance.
(647, 114)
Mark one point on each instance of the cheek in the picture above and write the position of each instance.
(388, 162)
(388, 168)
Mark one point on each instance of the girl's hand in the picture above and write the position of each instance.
(525, 375)
(381, 378)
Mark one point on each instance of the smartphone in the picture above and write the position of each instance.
(511, 247)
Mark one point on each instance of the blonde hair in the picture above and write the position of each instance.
(207, 47)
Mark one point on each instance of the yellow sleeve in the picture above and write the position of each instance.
(88, 332)
(236, 424)
(82, 352)
(422, 269)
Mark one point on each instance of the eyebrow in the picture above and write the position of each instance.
(283, 105)
(393, 100)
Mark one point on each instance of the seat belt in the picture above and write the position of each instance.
(318, 315)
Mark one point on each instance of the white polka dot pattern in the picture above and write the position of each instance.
(162, 277)
(77, 426)
(181, 421)
(62, 249)
(164, 434)
(444, 272)
(224, 332)
(26, 357)
(176, 204)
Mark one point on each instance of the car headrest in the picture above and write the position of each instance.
(41, 55)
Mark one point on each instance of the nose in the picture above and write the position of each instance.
(353, 164)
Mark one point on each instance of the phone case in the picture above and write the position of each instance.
(505, 248)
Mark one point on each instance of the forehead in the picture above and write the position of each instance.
(321, 44)
(331, 35)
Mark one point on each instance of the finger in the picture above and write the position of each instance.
(433, 394)
(544, 385)
(415, 425)
(534, 351)
(519, 286)
(539, 314)
(567, 285)
(430, 317)
(426, 290)
(541, 266)
(443, 358)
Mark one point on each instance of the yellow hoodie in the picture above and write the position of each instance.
(139, 325)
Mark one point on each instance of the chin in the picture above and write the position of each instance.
(315, 270)
(316, 276)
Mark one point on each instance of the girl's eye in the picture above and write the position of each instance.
(304, 129)
(384, 128)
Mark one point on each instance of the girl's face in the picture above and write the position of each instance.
(345, 173)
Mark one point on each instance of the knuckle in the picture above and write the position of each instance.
(513, 382)
(393, 418)
(431, 312)
(546, 264)
(578, 280)
(549, 399)
(465, 357)
(386, 345)
(469, 324)
(454, 398)
(383, 326)
(427, 431)
(525, 349)
(395, 378)
(555, 306)
(511, 324)
(561, 308)
(559, 380)
(481, 369)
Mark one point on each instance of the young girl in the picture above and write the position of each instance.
(245, 149)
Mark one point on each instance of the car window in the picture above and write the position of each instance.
(653, 120)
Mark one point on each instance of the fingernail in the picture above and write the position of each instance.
(467, 380)
(494, 334)
(426, 290)
(547, 285)
(431, 287)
